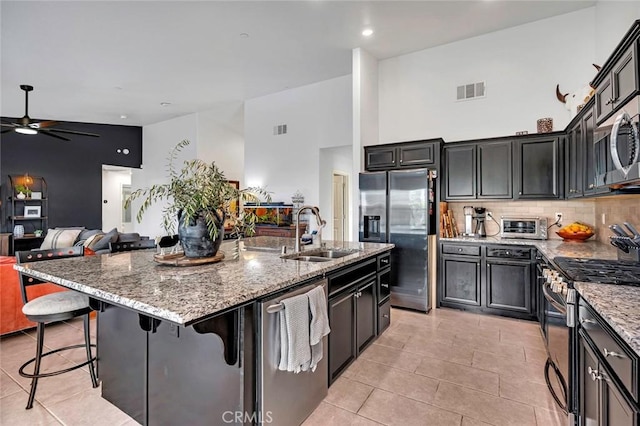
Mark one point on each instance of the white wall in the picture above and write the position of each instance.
(521, 67)
(365, 109)
(317, 116)
(613, 20)
(221, 139)
(339, 159)
(157, 141)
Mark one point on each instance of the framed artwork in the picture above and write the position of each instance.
(32, 211)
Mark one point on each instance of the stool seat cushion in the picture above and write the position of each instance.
(56, 303)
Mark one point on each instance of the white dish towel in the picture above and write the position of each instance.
(319, 324)
(295, 351)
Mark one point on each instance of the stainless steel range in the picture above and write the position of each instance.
(558, 315)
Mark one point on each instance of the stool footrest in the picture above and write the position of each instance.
(54, 373)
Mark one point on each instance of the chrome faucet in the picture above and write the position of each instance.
(321, 223)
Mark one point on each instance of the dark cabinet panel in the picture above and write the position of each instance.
(342, 339)
(624, 76)
(494, 170)
(460, 172)
(461, 280)
(587, 385)
(366, 308)
(615, 409)
(384, 316)
(417, 155)
(537, 167)
(604, 100)
(575, 163)
(509, 285)
(380, 158)
(589, 165)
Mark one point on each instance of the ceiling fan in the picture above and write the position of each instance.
(26, 126)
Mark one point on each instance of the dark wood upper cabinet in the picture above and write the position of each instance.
(459, 172)
(380, 158)
(537, 168)
(494, 170)
(589, 165)
(402, 155)
(575, 162)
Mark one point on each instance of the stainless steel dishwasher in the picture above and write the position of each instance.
(286, 398)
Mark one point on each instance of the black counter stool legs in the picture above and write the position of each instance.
(53, 307)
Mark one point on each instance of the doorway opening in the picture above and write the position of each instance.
(116, 187)
(340, 206)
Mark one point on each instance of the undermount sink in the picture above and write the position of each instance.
(323, 255)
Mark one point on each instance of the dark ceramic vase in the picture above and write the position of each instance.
(194, 237)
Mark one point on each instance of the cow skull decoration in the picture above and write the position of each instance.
(576, 100)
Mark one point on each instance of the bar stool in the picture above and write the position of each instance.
(53, 307)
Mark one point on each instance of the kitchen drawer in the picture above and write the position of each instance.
(509, 252)
(384, 260)
(384, 316)
(620, 359)
(461, 249)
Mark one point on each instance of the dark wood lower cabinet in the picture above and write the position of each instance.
(366, 314)
(461, 277)
(602, 402)
(509, 285)
(342, 339)
(490, 278)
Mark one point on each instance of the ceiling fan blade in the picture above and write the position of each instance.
(43, 124)
(73, 132)
(7, 131)
(7, 125)
(53, 135)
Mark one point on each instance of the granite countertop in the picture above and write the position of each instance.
(184, 295)
(618, 306)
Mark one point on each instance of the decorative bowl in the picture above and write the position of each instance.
(575, 236)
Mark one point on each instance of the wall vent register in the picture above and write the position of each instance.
(470, 91)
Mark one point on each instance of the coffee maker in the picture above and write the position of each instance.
(468, 221)
(480, 216)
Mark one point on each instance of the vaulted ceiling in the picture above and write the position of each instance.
(95, 61)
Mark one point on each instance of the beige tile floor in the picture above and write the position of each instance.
(445, 368)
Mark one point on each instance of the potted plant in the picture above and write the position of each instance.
(200, 198)
(22, 189)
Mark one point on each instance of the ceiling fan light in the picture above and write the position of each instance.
(26, 131)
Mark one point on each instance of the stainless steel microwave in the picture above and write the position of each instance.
(617, 153)
(533, 228)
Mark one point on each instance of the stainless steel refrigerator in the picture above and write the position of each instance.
(399, 207)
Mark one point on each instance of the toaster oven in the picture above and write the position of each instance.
(533, 228)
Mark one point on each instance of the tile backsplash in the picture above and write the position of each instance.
(616, 209)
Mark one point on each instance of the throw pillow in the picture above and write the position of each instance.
(59, 238)
(109, 237)
(86, 233)
(93, 240)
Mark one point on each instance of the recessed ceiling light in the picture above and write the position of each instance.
(123, 116)
(244, 35)
(367, 32)
(164, 104)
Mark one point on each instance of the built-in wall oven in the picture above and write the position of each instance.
(556, 311)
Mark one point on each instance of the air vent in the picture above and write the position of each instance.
(280, 129)
(470, 91)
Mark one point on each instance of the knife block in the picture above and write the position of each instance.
(632, 256)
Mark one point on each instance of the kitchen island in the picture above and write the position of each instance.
(176, 344)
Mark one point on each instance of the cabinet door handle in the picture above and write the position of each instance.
(587, 321)
(609, 101)
(594, 374)
(591, 186)
(384, 285)
(385, 315)
(460, 250)
(612, 354)
(519, 192)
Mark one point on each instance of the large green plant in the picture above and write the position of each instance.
(200, 189)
